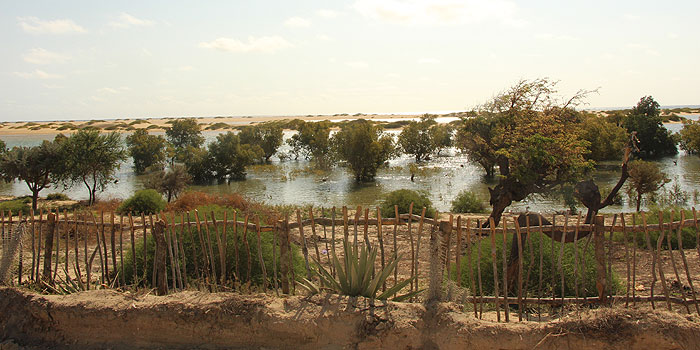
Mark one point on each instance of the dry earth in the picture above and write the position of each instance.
(108, 319)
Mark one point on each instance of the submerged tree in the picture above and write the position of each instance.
(364, 148)
(654, 139)
(230, 158)
(266, 135)
(183, 134)
(146, 150)
(169, 183)
(416, 139)
(313, 142)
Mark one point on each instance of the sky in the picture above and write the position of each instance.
(133, 59)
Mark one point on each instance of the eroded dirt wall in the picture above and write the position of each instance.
(108, 319)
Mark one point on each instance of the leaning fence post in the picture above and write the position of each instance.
(599, 244)
(160, 263)
(436, 261)
(48, 244)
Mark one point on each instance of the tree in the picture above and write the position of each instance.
(146, 150)
(654, 139)
(478, 139)
(645, 178)
(364, 147)
(441, 136)
(313, 142)
(36, 166)
(92, 159)
(169, 183)
(199, 165)
(266, 135)
(690, 137)
(182, 134)
(416, 139)
(229, 157)
(607, 140)
(533, 139)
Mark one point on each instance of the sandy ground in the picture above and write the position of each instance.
(109, 319)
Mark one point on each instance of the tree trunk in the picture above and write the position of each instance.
(639, 201)
(35, 198)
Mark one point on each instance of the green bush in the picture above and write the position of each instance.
(551, 278)
(192, 247)
(144, 201)
(688, 234)
(468, 202)
(403, 198)
(57, 197)
(16, 205)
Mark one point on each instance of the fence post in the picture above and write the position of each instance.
(284, 256)
(48, 247)
(160, 263)
(599, 245)
(437, 261)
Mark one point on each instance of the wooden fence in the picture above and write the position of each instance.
(66, 252)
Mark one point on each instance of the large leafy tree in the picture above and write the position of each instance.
(267, 136)
(313, 142)
(654, 139)
(36, 166)
(146, 150)
(533, 139)
(230, 158)
(690, 137)
(182, 134)
(479, 138)
(91, 158)
(364, 147)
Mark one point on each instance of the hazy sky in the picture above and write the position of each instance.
(119, 59)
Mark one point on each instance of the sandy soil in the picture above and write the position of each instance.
(159, 124)
(108, 319)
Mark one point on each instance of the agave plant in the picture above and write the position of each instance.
(356, 276)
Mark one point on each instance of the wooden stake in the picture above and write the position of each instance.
(260, 254)
(520, 269)
(304, 247)
(673, 260)
(492, 226)
(380, 238)
(685, 263)
(247, 247)
(506, 307)
(134, 273)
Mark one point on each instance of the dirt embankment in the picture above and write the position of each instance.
(108, 319)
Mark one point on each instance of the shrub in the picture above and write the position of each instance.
(468, 202)
(16, 205)
(403, 198)
(688, 234)
(143, 201)
(192, 248)
(57, 197)
(551, 279)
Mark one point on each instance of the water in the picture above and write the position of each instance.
(295, 182)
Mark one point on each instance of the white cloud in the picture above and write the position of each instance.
(42, 56)
(126, 21)
(113, 91)
(428, 60)
(297, 22)
(60, 26)
(357, 64)
(323, 37)
(37, 74)
(439, 12)
(560, 37)
(327, 13)
(266, 44)
(631, 17)
(185, 68)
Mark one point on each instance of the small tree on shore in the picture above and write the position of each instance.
(645, 178)
(92, 159)
(36, 166)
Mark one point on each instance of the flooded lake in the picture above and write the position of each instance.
(294, 182)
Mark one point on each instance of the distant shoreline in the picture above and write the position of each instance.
(207, 123)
